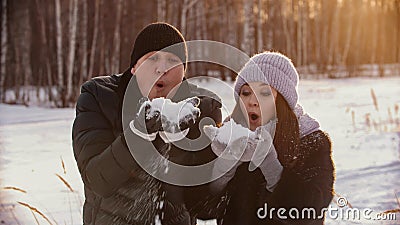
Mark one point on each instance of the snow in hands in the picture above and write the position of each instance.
(235, 142)
(228, 132)
(174, 116)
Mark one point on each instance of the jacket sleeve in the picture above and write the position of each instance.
(103, 159)
(199, 201)
(307, 186)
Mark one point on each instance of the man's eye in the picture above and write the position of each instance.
(153, 58)
(173, 60)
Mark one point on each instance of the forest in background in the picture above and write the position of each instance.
(50, 47)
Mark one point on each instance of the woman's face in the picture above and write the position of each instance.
(257, 103)
(158, 73)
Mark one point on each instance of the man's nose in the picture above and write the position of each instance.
(162, 67)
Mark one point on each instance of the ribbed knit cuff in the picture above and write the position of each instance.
(271, 169)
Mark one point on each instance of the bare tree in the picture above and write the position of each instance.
(44, 43)
(187, 4)
(117, 39)
(299, 58)
(248, 27)
(84, 43)
(334, 38)
(173, 13)
(85, 38)
(25, 54)
(4, 48)
(347, 43)
(305, 32)
(94, 39)
(260, 23)
(287, 22)
(72, 45)
(374, 28)
(317, 33)
(60, 60)
(271, 25)
(397, 12)
(161, 10)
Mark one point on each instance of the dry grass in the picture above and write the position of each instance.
(377, 121)
(14, 188)
(63, 165)
(35, 210)
(65, 182)
(374, 99)
(393, 210)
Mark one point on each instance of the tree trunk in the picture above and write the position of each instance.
(72, 45)
(102, 62)
(248, 28)
(334, 36)
(117, 40)
(94, 40)
(84, 27)
(46, 52)
(304, 33)
(325, 29)
(348, 35)
(18, 73)
(381, 51)
(260, 27)
(299, 54)
(161, 10)
(183, 17)
(317, 36)
(374, 27)
(286, 29)
(60, 60)
(398, 33)
(271, 25)
(25, 53)
(4, 48)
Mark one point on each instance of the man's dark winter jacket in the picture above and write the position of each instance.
(117, 190)
(309, 184)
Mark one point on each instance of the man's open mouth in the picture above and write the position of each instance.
(160, 84)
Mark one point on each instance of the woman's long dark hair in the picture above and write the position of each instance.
(287, 134)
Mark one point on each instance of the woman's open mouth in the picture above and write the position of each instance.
(253, 117)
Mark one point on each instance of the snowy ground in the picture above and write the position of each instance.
(35, 148)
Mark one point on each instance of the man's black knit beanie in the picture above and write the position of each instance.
(159, 36)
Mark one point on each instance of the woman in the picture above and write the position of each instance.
(294, 179)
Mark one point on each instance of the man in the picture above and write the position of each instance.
(117, 189)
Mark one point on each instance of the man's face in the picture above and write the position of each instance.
(158, 73)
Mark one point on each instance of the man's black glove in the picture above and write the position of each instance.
(147, 121)
(189, 119)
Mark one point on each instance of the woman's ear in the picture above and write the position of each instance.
(133, 70)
